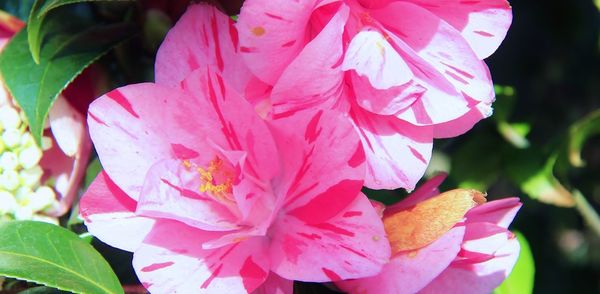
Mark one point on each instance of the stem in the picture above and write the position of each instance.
(587, 212)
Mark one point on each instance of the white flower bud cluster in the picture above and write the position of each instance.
(22, 195)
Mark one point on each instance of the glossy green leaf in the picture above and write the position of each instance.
(66, 54)
(579, 132)
(37, 15)
(522, 277)
(53, 256)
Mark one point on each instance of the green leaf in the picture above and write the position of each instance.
(53, 256)
(534, 174)
(36, 18)
(579, 132)
(515, 133)
(475, 163)
(66, 54)
(522, 277)
(18, 8)
(93, 169)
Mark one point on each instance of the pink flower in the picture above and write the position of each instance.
(210, 197)
(406, 71)
(452, 242)
(41, 182)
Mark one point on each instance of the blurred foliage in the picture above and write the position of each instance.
(544, 128)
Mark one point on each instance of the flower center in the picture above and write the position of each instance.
(216, 179)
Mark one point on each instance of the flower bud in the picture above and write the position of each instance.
(9, 180)
(9, 161)
(30, 156)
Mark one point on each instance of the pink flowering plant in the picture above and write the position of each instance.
(260, 147)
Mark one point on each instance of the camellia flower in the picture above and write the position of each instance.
(452, 242)
(405, 71)
(211, 198)
(39, 183)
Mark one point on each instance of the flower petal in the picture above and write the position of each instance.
(67, 161)
(272, 33)
(410, 271)
(203, 37)
(316, 152)
(385, 102)
(171, 260)
(461, 125)
(275, 285)
(397, 152)
(370, 55)
(109, 215)
(315, 75)
(499, 212)
(424, 223)
(440, 45)
(349, 245)
(425, 191)
(171, 191)
(483, 23)
(480, 277)
(236, 125)
(144, 123)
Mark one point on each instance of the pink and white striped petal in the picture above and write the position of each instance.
(309, 144)
(370, 55)
(144, 123)
(109, 215)
(315, 75)
(440, 45)
(397, 152)
(171, 260)
(410, 271)
(499, 212)
(276, 285)
(272, 33)
(203, 37)
(171, 191)
(349, 245)
(476, 278)
(483, 24)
